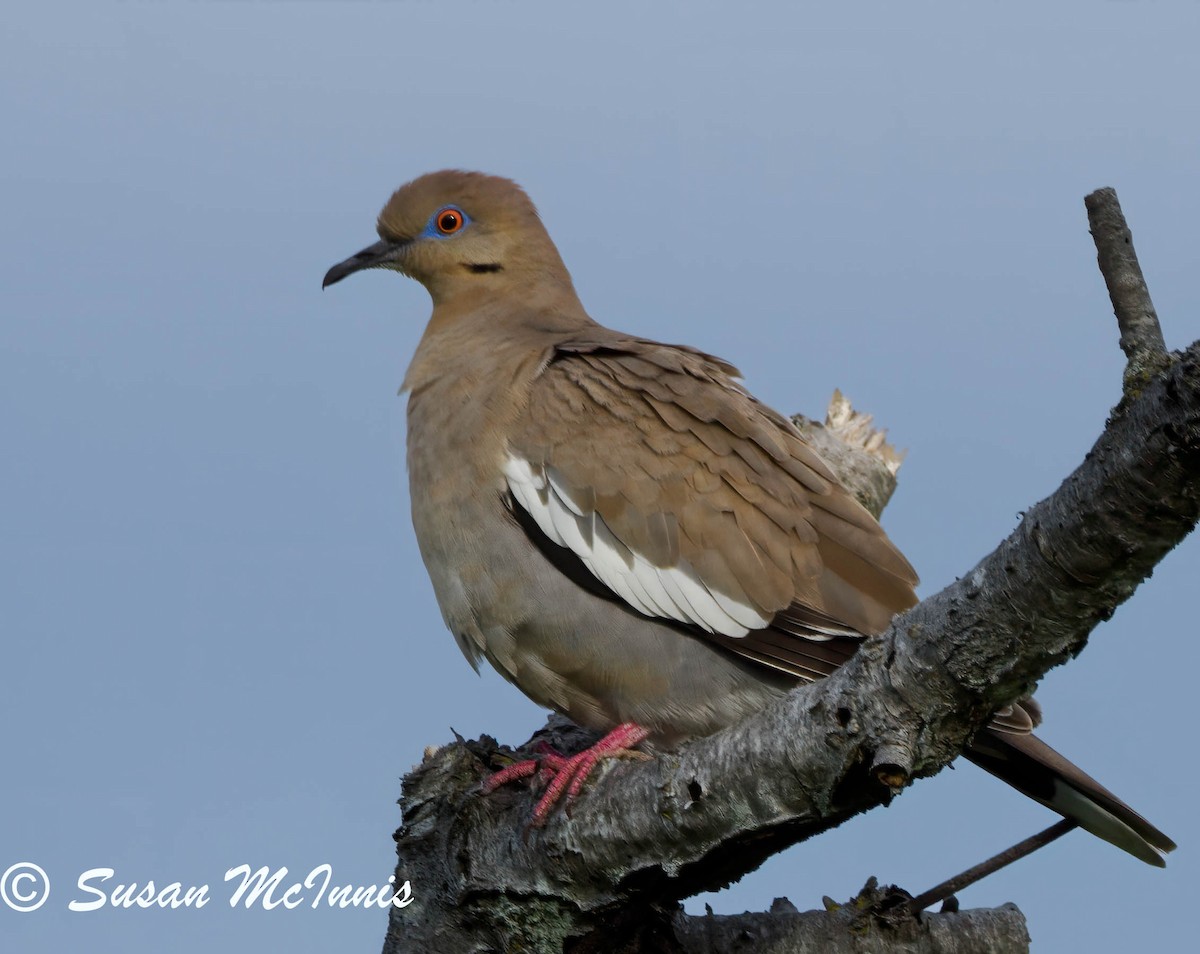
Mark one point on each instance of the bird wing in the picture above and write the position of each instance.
(663, 481)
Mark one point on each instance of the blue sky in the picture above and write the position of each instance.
(220, 643)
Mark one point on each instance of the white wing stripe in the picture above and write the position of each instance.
(745, 615)
(663, 604)
(667, 592)
(563, 495)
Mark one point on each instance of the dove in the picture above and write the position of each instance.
(620, 528)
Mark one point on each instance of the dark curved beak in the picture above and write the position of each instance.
(379, 255)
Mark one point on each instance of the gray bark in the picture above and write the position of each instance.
(855, 928)
(608, 875)
(1141, 335)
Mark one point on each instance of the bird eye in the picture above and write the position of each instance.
(449, 221)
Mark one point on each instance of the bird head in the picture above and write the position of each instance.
(453, 231)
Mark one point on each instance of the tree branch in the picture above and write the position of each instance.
(647, 834)
(1141, 337)
(857, 452)
(950, 887)
(857, 928)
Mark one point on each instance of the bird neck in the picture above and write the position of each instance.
(495, 317)
(517, 289)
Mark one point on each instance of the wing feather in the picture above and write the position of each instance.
(694, 503)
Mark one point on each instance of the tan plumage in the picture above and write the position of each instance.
(618, 525)
(747, 503)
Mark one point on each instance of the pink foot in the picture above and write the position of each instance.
(567, 774)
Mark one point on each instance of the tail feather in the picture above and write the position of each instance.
(1033, 768)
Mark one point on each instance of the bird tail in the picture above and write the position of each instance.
(1033, 768)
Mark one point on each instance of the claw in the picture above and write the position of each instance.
(565, 775)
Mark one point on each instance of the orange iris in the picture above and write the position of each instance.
(449, 221)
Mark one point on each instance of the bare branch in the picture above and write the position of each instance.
(856, 450)
(856, 928)
(952, 886)
(1141, 336)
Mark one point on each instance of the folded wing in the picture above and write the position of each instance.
(692, 502)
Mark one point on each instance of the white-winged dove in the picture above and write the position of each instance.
(619, 527)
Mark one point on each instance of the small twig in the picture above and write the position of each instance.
(1141, 335)
(993, 864)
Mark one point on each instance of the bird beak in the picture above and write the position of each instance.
(380, 255)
